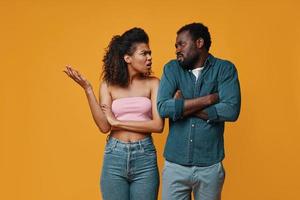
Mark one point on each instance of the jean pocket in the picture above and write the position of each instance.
(108, 149)
(221, 171)
(150, 150)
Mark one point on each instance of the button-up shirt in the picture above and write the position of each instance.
(191, 140)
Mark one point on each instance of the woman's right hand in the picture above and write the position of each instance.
(78, 78)
(109, 115)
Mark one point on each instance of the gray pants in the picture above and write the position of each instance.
(180, 181)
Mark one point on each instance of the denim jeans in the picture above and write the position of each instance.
(129, 170)
(180, 181)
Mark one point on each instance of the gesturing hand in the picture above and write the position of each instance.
(77, 77)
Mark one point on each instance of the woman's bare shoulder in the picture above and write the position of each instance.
(104, 87)
(153, 80)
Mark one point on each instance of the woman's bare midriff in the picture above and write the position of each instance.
(128, 136)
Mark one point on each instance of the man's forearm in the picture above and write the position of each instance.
(195, 105)
(201, 114)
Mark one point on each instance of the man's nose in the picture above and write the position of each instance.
(178, 50)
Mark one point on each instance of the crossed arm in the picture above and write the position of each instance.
(101, 111)
(156, 124)
(224, 106)
(195, 106)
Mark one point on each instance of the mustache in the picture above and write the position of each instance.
(179, 54)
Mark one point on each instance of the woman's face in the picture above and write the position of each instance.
(141, 59)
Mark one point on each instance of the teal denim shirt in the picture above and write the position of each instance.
(191, 140)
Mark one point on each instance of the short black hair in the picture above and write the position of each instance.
(197, 30)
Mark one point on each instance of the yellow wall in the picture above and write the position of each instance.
(50, 149)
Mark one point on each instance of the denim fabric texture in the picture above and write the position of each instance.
(191, 140)
(129, 170)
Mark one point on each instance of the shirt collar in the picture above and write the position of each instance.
(210, 60)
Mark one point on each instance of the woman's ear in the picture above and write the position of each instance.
(200, 43)
(127, 59)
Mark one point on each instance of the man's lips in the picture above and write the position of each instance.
(179, 57)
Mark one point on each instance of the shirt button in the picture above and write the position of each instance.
(193, 125)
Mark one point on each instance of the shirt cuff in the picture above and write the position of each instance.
(212, 113)
(179, 103)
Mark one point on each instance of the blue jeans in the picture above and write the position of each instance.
(130, 170)
(180, 181)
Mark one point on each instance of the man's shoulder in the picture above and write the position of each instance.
(172, 66)
(224, 67)
(223, 63)
(172, 63)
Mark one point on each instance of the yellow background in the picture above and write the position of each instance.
(50, 148)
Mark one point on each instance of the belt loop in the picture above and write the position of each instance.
(115, 144)
(141, 146)
(107, 137)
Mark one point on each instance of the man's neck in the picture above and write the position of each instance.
(202, 59)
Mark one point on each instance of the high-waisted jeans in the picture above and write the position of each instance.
(129, 170)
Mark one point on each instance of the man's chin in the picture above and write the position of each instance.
(184, 64)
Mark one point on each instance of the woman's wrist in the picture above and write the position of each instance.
(88, 89)
(116, 123)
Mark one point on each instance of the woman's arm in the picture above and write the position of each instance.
(97, 113)
(155, 125)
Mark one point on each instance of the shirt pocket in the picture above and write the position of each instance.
(208, 87)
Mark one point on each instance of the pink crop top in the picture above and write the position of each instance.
(132, 109)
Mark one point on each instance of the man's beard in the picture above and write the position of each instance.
(189, 63)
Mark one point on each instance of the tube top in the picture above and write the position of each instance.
(132, 109)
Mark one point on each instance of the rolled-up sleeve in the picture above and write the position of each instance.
(228, 107)
(167, 106)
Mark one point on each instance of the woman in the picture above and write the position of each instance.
(128, 110)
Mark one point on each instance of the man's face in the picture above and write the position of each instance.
(186, 51)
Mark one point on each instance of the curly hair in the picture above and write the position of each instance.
(115, 71)
(197, 30)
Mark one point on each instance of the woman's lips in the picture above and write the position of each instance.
(149, 65)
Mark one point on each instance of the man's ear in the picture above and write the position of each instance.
(127, 58)
(199, 43)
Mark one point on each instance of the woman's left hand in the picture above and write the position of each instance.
(109, 115)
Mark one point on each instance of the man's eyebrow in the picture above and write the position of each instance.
(178, 43)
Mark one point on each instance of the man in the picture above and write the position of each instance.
(198, 93)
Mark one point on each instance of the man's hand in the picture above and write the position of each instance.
(212, 98)
(191, 106)
(178, 95)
